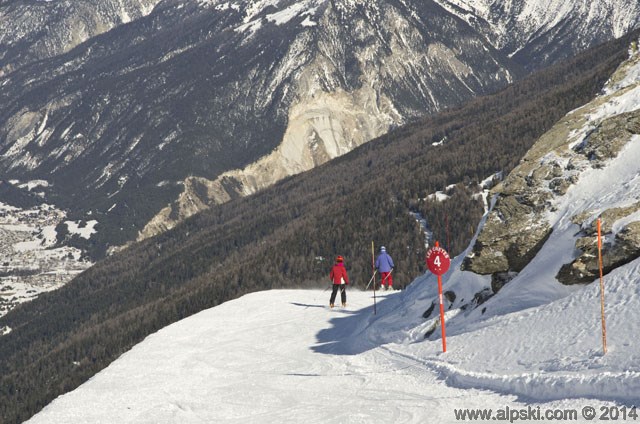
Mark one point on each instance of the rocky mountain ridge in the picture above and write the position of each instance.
(37, 30)
(545, 30)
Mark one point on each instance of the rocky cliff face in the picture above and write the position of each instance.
(527, 203)
(233, 95)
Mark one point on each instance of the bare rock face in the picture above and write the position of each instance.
(509, 240)
(516, 229)
(620, 246)
(609, 137)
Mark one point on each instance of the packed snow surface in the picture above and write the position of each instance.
(284, 356)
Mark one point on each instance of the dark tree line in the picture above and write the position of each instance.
(288, 235)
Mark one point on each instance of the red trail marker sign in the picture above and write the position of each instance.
(438, 262)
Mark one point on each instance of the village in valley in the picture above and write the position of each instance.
(32, 260)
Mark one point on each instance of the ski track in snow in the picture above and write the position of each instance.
(283, 356)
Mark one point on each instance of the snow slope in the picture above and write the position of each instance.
(283, 356)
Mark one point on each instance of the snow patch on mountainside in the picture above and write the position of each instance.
(85, 230)
(254, 13)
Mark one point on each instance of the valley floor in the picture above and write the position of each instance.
(32, 262)
(284, 356)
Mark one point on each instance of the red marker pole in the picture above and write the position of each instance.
(438, 262)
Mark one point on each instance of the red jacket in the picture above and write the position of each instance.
(339, 272)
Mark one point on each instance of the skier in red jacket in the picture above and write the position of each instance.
(340, 280)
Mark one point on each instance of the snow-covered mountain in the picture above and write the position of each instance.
(534, 346)
(41, 29)
(204, 101)
(538, 32)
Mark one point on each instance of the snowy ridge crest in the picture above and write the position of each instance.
(515, 26)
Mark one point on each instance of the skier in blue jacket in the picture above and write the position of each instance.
(384, 265)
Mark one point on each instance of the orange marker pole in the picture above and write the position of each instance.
(604, 326)
(444, 332)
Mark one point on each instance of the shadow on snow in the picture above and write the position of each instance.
(347, 334)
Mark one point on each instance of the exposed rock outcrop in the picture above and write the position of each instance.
(609, 137)
(620, 245)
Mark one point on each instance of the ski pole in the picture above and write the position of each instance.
(316, 297)
(373, 267)
(327, 288)
(372, 277)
